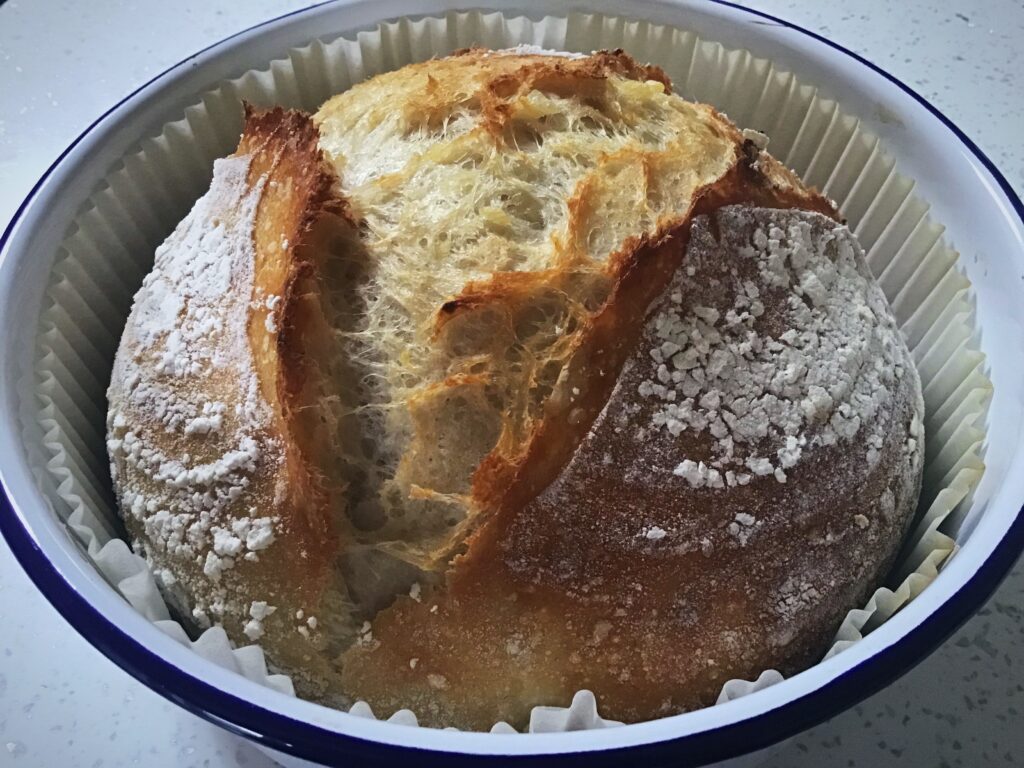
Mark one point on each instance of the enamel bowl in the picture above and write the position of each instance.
(982, 216)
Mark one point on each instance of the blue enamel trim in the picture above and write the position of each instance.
(317, 744)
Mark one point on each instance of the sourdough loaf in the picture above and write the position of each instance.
(525, 375)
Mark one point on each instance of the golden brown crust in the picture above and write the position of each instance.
(284, 151)
(492, 396)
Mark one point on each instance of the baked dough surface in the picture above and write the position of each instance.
(507, 375)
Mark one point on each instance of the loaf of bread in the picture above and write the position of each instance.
(507, 375)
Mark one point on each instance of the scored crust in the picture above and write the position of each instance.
(505, 198)
(389, 352)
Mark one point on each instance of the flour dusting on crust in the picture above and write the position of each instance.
(768, 385)
(185, 342)
(525, 49)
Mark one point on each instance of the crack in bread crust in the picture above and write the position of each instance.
(502, 201)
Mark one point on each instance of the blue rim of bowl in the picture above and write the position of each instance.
(317, 744)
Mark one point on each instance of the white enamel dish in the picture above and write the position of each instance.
(983, 217)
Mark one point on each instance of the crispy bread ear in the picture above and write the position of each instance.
(503, 198)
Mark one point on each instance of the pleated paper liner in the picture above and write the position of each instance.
(110, 247)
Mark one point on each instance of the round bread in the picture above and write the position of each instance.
(517, 374)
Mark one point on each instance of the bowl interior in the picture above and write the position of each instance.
(869, 120)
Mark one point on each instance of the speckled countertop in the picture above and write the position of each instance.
(63, 704)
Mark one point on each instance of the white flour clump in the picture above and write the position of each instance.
(654, 533)
(743, 526)
(767, 386)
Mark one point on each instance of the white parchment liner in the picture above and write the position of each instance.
(110, 246)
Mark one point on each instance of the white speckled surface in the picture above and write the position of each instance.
(63, 704)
